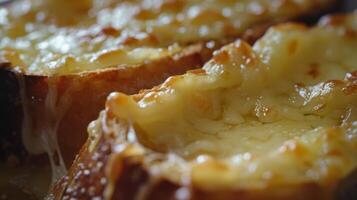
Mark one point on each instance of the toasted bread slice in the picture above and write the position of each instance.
(68, 55)
(276, 120)
(63, 37)
(80, 96)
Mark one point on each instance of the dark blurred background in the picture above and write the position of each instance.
(350, 5)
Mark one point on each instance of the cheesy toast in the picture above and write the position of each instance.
(59, 59)
(276, 120)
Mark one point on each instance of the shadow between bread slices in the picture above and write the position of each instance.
(272, 121)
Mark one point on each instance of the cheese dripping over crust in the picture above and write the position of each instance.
(282, 112)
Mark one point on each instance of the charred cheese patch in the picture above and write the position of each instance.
(50, 37)
(282, 112)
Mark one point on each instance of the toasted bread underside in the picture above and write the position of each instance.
(67, 56)
(272, 121)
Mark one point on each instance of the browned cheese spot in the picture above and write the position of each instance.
(314, 70)
(292, 47)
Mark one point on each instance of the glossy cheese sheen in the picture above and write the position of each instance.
(282, 112)
(62, 36)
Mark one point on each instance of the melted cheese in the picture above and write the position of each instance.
(50, 37)
(40, 137)
(281, 112)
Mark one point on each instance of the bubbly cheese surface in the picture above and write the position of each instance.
(281, 112)
(65, 36)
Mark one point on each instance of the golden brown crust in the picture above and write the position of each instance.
(91, 172)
